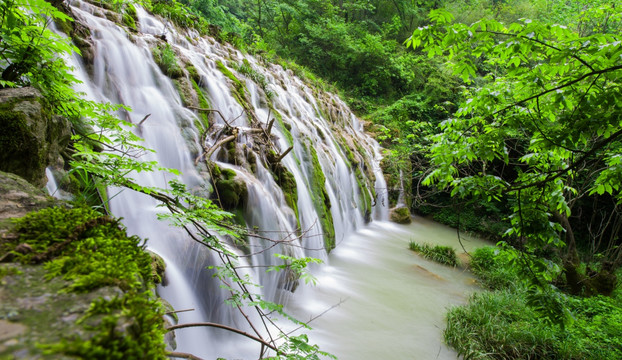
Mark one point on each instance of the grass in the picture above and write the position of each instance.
(502, 324)
(441, 254)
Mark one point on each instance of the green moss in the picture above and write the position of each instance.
(364, 193)
(400, 215)
(284, 127)
(166, 59)
(321, 200)
(193, 73)
(239, 88)
(203, 123)
(130, 17)
(231, 192)
(286, 181)
(180, 90)
(66, 26)
(158, 267)
(7, 270)
(22, 152)
(129, 21)
(91, 251)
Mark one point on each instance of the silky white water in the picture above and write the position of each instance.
(123, 71)
(389, 303)
(370, 261)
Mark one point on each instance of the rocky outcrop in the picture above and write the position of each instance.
(18, 197)
(31, 137)
(400, 215)
(73, 284)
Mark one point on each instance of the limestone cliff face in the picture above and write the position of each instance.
(30, 137)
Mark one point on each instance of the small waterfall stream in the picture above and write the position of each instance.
(333, 164)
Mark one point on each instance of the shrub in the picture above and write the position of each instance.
(492, 266)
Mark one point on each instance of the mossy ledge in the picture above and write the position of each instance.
(321, 201)
(79, 287)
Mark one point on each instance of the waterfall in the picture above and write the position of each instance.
(301, 204)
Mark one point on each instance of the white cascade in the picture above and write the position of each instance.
(323, 134)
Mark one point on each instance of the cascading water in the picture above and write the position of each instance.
(330, 169)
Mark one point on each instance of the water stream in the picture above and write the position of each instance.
(390, 295)
(389, 303)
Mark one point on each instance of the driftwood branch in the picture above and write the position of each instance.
(211, 111)
(283, 154)
(225, 327)
(183, 355)
(177, 311)
(208, 153)
(143, 120)
(220, 143)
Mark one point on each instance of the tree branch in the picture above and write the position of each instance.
(572, 82)
(597, 146)
(183, 355)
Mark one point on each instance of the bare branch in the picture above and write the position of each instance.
(224, 327)
(278, 160)
(183, 355)
(143, 120)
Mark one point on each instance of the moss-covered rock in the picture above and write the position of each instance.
(286, 181)
(130, 17)
(30, 137)
(165, 57)
(231, 190)
(400, 215)
(97, 299)
(321, 201)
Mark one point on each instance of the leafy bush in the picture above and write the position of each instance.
(492, 267)
(441, 254)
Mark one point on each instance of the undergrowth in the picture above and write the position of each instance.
(503, 323)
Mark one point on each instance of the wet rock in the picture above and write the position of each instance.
(18, 197)
(30, 136)
(34, 312)
(231, 189)
(400, 215)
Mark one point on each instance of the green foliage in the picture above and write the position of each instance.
(180, 15)
(166, 59)
(298, 348)
(29, 49)
(508, 323)
(541, 116)
(493, 269)
(298, 266)
(445, 255)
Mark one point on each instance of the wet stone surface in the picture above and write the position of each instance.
(35, 312)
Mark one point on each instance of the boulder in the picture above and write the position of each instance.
(30, 136)
(400, 215)
(18, 197)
